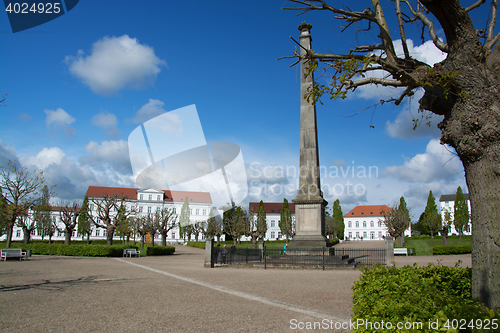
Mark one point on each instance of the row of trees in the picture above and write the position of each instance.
(432, 223)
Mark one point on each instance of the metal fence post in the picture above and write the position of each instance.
(323, 258)
(246, 255)
(265, 258)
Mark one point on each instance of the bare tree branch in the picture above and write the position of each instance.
(490, 39)
(473, 6)
(402, 29)
(428, 23)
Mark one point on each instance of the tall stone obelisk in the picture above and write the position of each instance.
(309, 203)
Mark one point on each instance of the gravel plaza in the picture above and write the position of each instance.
(175, 294)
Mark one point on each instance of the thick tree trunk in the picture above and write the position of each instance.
(67, 237)
(110, 230)
(164, 239)
(27, 235)
(9, 236)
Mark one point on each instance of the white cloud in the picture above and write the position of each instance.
(438, 163)
(60, 119)
(116, 63)
(402, 127)
(151, 109)
(108, 155)
(7, 153)
(108, 122)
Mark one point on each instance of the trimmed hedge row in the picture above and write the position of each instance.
(58, 249)
(160, 250)
(451, 249)
(416, 295)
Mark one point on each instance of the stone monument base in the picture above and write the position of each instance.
(308, 241)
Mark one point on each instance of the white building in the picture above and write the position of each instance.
(143, 201)
(366, 223)
(273, 216)
(447, 203)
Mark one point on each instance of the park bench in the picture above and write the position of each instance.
(403, 250)
(131, 253)
(12, 253)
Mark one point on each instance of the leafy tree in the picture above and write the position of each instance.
(84, 220)
(42, 215)
(184, 218)
(335, 226)
(397, 219)
(461, 213)
(464, 88)
(286, 221)
(256, 224)
(21, 189)
(432, 219)
(445, 226)
(420, 226)
(4, 214)
(124, 230)
(234, 221)
(212, 227)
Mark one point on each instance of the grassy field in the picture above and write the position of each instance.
(423, 244)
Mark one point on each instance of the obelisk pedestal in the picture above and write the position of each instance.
(309, 203)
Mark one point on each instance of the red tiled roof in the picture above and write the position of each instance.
(271, 207)
(131, 193)
(371, 210)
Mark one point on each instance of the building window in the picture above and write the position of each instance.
(190, 212)
(357, 234)
(350, 235)
(380, 234)
(357, 224)
(364, 234)
(140, 209)
(149, 209)
(349, 224)
(18, 233)
(91, 206)
(59, 234)
(158, 197)
(279, 234)
(97, 233)
(371, 224)
(197, 212)
(141, 197)
(273, 222)
(204, 212)
(364, 224)
(272, 234)
(173, 235)
(380, 224)
(173, 209)
(104, 232)
(150, 197)
(372, 235)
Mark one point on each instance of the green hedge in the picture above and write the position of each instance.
(431, 295)
(160, 250)
(58, 249)
(451, 249)
(200, 245)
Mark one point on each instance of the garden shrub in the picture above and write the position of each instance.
(451, 249)
(416, 295)
(160, 250)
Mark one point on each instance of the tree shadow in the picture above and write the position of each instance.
(59, 285)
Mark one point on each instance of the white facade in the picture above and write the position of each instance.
(143, 201)
(366, 223)
(273, 216)
(447, 203)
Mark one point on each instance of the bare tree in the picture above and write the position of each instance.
(139, 225)
(27, 223)
(110, 212)
(68, 215)
(464, 88)
(234, 222)
(256, 226)
(165, 221)
(21, 188)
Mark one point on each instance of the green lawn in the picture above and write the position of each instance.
(423, 244)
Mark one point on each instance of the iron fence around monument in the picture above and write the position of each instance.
(305, 257)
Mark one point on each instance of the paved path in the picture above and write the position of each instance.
(169, 294)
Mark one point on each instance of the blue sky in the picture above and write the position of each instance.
(74, 96)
